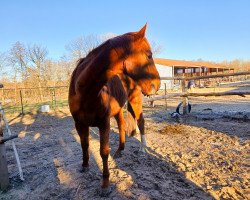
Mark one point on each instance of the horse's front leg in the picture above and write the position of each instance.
(104, 151)
(136, 108)
(83, 132)
(121, 125)
(141, 126)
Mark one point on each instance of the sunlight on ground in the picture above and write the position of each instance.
(63, 176)
(22, 134)
(125, 181)
(65, 146)
(211, 162)
(37, 136)
(28, 119)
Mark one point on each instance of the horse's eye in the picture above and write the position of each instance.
(149, 55)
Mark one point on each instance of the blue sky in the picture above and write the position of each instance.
(212, 30)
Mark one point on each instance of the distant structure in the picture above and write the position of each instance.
(173, 68)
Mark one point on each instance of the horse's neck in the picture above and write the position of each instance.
(95, 73)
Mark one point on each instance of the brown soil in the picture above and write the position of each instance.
(202, 156)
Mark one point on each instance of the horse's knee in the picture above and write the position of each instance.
(121, 146)
(104, 152)
(85, 144)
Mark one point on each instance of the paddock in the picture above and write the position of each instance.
(202, 156)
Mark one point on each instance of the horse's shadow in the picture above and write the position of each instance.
(51, 157)
(148, 175)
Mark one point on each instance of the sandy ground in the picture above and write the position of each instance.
(202, 156)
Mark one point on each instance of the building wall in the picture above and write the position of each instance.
(165, 71)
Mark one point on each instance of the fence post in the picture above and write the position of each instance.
(55, 96)
(53, 93)
(4, 174)
(165, 89)
(21, 97)
(185, 99)
(152, 103)
(2, 95)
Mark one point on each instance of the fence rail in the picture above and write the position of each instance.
(185, 94)
(31, 99)
(205, 77)
(25, 100)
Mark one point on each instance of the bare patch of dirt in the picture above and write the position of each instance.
(192, 159)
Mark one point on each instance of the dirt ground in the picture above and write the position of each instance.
(202, 156)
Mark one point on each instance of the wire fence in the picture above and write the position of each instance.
(24, 100)
(31, 99)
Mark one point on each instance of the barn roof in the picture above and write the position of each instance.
(184, 63)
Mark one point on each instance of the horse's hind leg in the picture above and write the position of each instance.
(121, 125)
(83, 132)
(104, 151)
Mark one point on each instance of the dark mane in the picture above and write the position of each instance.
(98, 49)
(123, 41)
(115, 42)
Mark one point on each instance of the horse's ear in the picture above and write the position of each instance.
(141, 33)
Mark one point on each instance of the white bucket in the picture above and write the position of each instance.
(44, 108)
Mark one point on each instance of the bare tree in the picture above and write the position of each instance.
(81, 46)
(3, 60)
(37, 56)
(3, 64)
(18, 60)
(107, 36)
(156, 48)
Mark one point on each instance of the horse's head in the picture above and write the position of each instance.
(137, 60)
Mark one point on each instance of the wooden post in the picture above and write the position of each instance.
(152, 103)
(2, 94)
(55, 96)
(185, 99)
(4, 174)
(13, 144)
(21, 97)
(165, 89)
(173, 75)
(200, 79)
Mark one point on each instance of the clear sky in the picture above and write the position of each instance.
(212, 30)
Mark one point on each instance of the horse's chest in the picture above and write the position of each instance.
(92, 113)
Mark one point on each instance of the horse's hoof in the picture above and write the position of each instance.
(143, 150)
(132, 133)
(118, 154)
(105, 192)
(84, 169)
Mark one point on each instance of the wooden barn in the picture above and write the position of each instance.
(173, 68)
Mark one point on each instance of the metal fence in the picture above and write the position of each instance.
(31, 99)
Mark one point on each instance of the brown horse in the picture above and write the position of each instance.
(90, 96)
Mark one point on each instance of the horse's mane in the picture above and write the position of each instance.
(115, 42)
(122, 41)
